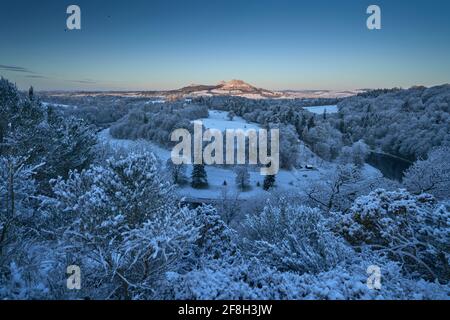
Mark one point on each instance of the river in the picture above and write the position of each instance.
(391, 167)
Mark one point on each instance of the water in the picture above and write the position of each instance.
(391, 167)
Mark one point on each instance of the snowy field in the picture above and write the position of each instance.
(286, 181)
(219, 120)
(322, 109)
(45, 104)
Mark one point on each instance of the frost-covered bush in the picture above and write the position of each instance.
(17, 189)
(356, 154)
(294, 238)
(127, 191)
(431, 175)
(147, 252)
(252, 279)
(36, 270)
(242, 178)
(337, 190)
(16, 286)
(122, 225)
(216, 241)
(42, 134)
(414, 230)
(20, 216)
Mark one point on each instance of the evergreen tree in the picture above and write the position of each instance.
(242, 177)
(176, 171)
(303, 124)
(41, 135)
(311, 123)
(269, 182)
(199, 177)
(342, 126)
(31, 93)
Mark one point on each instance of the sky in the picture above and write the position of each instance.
(278, 44)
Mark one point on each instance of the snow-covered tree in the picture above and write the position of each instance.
(31, 93)
(229, 204)
(199, 176)
(431, 175)
(19, 202)
(41, 134)
(360, 152)
(231, 115)
(289, 147)
(242, 177)
(269, 182)
(418, 119)
(324, 140)
(254, 280)
(336, 191)
(414, 230)
(356, 154)
(177, 172)
(123, 224)
(292, 237)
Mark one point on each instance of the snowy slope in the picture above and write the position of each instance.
(285, 180)
(295, 180)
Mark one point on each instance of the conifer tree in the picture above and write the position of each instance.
(31, 93)
(199, 177)
(269, 182)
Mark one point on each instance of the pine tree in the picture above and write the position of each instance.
(199, 177)
(311, 123)
(342, 126)
(269, 182)
(242, 177)
(39, 134)
(303, 121)
(176, 171)
(31, 93)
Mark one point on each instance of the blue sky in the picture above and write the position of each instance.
(282, 44)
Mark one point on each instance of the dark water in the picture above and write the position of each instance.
(391, 167)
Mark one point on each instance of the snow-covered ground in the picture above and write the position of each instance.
(294, 180)
(321, 109)
(286, 181)
(45, 104)
(219, 120)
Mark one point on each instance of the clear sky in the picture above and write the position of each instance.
(279, 44)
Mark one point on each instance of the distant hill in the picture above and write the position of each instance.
(237, 88)
(226, 88)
